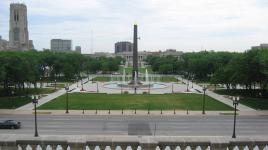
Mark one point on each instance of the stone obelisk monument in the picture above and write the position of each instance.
(135, 72)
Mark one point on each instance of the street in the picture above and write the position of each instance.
(139, 125)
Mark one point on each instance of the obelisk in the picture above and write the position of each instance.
(135, 56)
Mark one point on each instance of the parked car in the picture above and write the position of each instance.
(10, 124)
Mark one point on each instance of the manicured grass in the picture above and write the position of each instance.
(168, 79)
(248, 97)
(102, 79)
(256, 103)
(128, 70)
(30, 91)
(129, 101)
(13, 102)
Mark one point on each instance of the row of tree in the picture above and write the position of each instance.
(249, 69)
(18, 68)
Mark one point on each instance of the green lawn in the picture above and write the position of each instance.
(13, 102)
(26, 91)
(129, 101)
(248, 97)
(256, 103)
(128, 70)
(102, 79)
(168, 79)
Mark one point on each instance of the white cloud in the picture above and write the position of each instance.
(180, 24)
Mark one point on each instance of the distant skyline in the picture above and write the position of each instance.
(185, 25)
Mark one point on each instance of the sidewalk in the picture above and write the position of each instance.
(220, 98)
(132, 112)
(51, 96)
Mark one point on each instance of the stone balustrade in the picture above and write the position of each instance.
(28, 142)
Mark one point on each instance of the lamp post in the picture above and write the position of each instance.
(97, 87)
(172, 88)
(67, 98)
(82, 84)
(12, 94)
(192, 82)
(149, 87)
(235, 103)
(77, 81)
(55, 84)
(35, 101)
(204, 98)
(40, 82)
(188, 85)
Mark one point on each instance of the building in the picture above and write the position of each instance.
(123, 47)
(171, 52)
(100, 54)
(78, 49)
(3, 44)
(18, 29)
(262, 46)
(61, 45)
(128, 56)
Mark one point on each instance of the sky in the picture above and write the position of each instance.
(185, 25)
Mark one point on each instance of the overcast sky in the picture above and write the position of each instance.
(187, 25)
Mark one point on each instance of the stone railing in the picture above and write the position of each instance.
(26, 142)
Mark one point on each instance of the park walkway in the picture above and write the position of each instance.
(218, 97)
(52, 96)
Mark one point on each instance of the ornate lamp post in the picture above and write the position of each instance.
(97, 87)
(172, 87)
(35, 101)
(67, 98)
(149, 88)
(55, 84)
(192, 82)
(77, 81)
(204, 98)
(82, 84)
(235, 103)
(12, 94)
(187, 85)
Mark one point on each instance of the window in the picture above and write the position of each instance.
(16, 34)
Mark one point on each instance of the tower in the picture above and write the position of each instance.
(18, 28)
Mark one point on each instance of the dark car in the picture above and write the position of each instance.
(10, 124)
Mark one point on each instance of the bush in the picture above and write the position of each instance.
(125, 92)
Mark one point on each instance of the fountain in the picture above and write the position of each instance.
(124, 76)
(146, 77)
(135, 83)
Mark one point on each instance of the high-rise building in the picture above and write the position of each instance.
(60, 45)
(78, 49)
(123, 47)
(18, 28)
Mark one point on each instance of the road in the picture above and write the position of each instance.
(140, 125)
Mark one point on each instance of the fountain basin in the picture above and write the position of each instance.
(114, 85)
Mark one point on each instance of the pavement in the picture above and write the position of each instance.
(132, 112)
(140, 125)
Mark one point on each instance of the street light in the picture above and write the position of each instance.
(97, 87)
(55, 84)
(77, 81)
(67, 98)
(82, 84)
(172, 88)
(204, 95)
(235, 103)
(35, 101)
(188, 85)
(149, 87)
(12, 93)
(192, 82)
